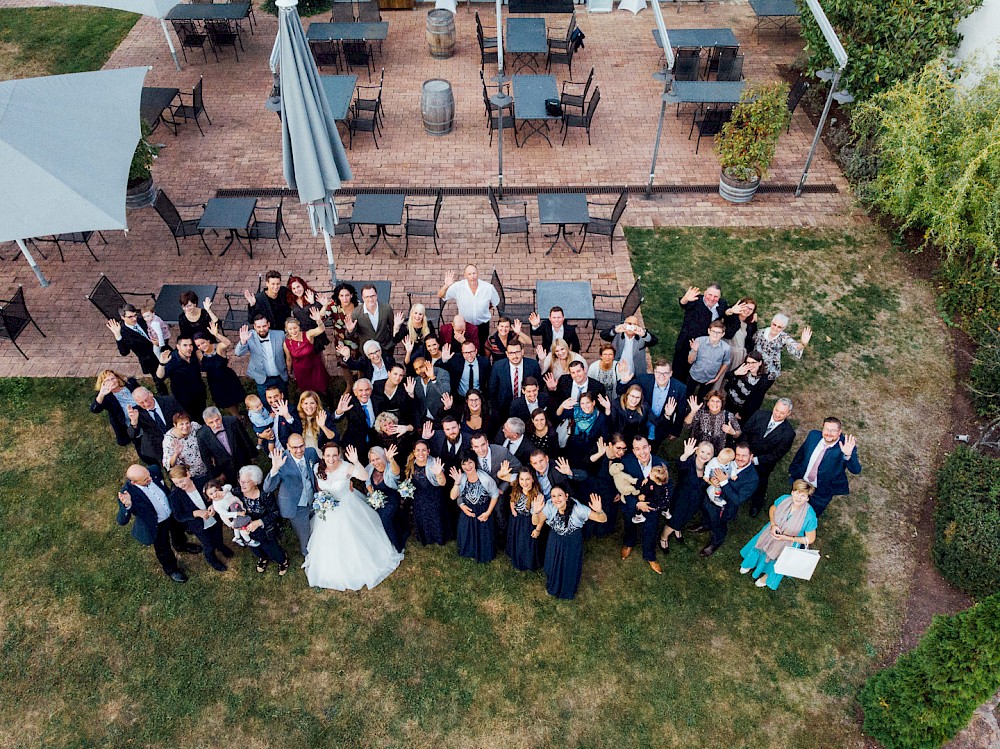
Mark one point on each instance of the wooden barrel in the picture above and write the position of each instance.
(437, 105)
(737, 191)
(441, 33)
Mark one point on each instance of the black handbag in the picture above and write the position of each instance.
(553, 108)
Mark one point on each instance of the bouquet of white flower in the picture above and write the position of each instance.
(406, 488)
(322, 502)
(376, 499)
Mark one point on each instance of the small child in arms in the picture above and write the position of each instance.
(262, 421)
(159, 331)
(231, 511)
(724, 461)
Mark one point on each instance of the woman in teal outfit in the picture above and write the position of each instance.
(793, 523)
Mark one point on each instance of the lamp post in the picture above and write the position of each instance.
(501, 101)
(665, 75)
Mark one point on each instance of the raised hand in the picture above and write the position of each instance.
(741, 370)
(690, 445)
(437, 466)
(670, 406)
(165, 356)
(133, 416)
(539, 352)
(605, 403)
(251, 299)
(695, 344)
(849, 445)
(310, 297)
(244, 334)
(178, 449)
(447, 401)
(344, 404)
(213, 327)
(428, 430)
(106, 386)
(343, 352)
(446, 352)
(737, 309)
(350, 323)
(504, 472)
(595, 503)
(534, 319)
(126, 499)
(115, 327)
(624, 371)
(449, 278)
(693, 404)
(408, 345)
(455, 474)
(516, 327)
(807, 334)
(316, 315)
(691, 294)
(562, 466)
(601, 446)
(410, 386)
(351, 453)
(321, 417)
(550, 380)
(207, 303)
(397, 321)
(567, 405)
(391, 452)
(278, 458)
(537, 505)
(281, 407)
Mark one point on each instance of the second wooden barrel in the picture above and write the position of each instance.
(437, 105)
(441, 33)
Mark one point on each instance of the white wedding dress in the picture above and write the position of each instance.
(348, 548)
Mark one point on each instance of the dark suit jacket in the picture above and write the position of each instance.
(400, 403)
(363, 365)
(631, 465)
(438, 447)
(133, 343)
(365, 331)
(275, 310)
(215, 456)
(498, 454)
(428, 396)
(116, 416)
(148, 432)
(544, 330)
(772, 448)
(142, 510)
(458, 368)
(182, 508)
(565, 386)
(523, 452)
(665, 425)
(832, 474)
(739, 490)
(519, 406)
(501, 395)
(697, 318)
(354, 429)
(555, 478)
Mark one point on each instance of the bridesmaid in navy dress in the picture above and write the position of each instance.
(689, 491)
(477, 495)
(523, 543)
(564, 549)
(429, 495)
(223, 383)
(383, 476)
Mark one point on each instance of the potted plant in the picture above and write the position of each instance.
(140, 190)
(746, 143)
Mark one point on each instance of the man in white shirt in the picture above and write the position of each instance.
(475, 299)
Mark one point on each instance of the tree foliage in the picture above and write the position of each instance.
(886, 40)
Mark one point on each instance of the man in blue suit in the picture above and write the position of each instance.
(823, 461)
(664, 396)
(292, 475)
(508, 376)
(267, 356)
(145, 500)
(638, 464)
(735, 492)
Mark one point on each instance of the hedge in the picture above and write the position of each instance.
(967, 522)
(930, 693)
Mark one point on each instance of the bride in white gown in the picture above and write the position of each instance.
(348, 548)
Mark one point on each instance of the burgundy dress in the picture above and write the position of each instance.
(307, 365)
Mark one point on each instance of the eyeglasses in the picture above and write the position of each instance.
(296, 447)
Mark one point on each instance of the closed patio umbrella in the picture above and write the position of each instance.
(313, 156)
(66, 143)
(152, 8)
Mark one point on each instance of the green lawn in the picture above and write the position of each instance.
(100, 649)
(51, 41)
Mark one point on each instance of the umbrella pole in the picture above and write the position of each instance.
(329, 258)
(170, 43)
(42, 280)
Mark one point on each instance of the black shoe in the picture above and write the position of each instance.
(754, 511)
(215, 564)
(679, 540)
(190, 549)
(698, 529)
(226, 551)
(177, 576)
(665, 549)
(708, 550)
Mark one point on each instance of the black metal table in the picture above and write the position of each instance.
(339, 92)
(697, 38)
(348, 32)
(379, 211)
(575, 297)
(563, 208)
(530, 93)
(231, 214)
(525, 39)
(168, 304)
(209, 12)
(152, 103)
(775, 14)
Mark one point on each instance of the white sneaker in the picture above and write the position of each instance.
(744, 570)
(761, 581)
(253, 543)
(238, 541)
(637, 519)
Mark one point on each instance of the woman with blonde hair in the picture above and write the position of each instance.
(522, 533)
(792, 523)
(114, 395)
(557, 361)
(417, 327)
(317, 426)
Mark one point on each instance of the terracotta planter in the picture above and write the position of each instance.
(736, 190)
(140, 195)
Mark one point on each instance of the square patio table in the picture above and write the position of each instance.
(530, 93)
(525, 39)
(348, 32)
(697, 38)
(339, 92)
(231, 214)
(168, 305)
(152, 102)
(575, 297)
(705, 92)
(775, 14)
(379, 211)
(209, 12)
(563, 208)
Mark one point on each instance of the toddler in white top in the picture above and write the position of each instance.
(159, 331)
(231, 511)
(724, 461)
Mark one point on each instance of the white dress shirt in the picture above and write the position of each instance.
(473, 306)
(158, 499)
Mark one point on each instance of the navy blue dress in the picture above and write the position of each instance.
(223, 383)
(429, 502)
(599, 482)
(475, 538)
(688, 493)
(564, 550)
(389, 511)
(522, 549)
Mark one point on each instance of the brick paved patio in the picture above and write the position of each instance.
(242, 149)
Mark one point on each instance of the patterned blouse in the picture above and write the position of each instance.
(708, 427)
(339, 334)
(474, 494)
(190, 454)
(563, 525)
(770, 349)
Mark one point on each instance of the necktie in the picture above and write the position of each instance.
(517, 383)
(485, 463)
(138, 329)
(469, 384)
(771, 426)
(160, 423)
(813, 475)
(224, 440)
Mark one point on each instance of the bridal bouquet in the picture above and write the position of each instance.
(377, 500)
(323, 501)
(406, 488)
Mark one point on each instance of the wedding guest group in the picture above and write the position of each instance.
(498, 438)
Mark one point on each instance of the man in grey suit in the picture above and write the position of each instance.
(631, 341)
(373, 320)
(432, 391)
(267, 356)
(292, 475)
(491, 458)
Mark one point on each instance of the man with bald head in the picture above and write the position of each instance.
(631, 340)
(144, 499)
(148, 421)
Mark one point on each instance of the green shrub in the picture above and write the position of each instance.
(984, 376)
(306, 8)
(967, 522)
(930, 693)
(886, 40)
(748, 140)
